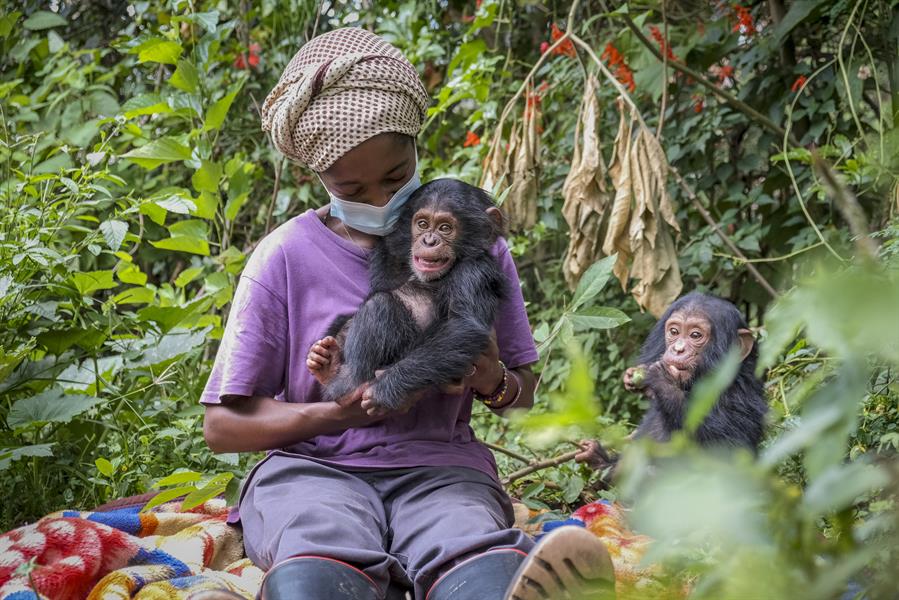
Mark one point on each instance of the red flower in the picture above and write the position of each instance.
(566, 48)
(662, 42)
(724, 73)
(471, 139)
(544, 46)
(797, 85)
(253, 60)
(744, 24)
(622, 72)
(698, 103)
(240, 62)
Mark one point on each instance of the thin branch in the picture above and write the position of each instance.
(543, 464)
(724, 237)
(507, 452)
(848, 205)
(279, 167)
(664, 105)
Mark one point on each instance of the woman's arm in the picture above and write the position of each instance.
(250, 424)
(488, 375)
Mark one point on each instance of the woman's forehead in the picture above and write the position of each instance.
(372, 159)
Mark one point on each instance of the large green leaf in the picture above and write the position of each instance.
(114, 233)
(89, 282)
(50, 406)
(206, 178)
(8, 455)
(184, 243)
(185, 78)
(145, 104)
(158, 152)
(597, 317)
(593, 281)
(216, 114)
(159, 50)
(44, 19)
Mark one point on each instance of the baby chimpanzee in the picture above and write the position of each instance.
(434, 293)
(687, 342)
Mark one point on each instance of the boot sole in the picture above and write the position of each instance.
(570, 562)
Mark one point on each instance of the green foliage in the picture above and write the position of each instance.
(134, 180)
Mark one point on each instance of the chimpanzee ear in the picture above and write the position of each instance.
(496, 215)
(747, 341)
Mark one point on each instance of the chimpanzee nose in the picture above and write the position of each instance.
(679, 346)
(429, 239)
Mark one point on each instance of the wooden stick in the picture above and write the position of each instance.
(543, 464)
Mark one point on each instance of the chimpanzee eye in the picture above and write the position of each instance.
(445, 228)
(696, 335)
(422, 224)
(673, 331)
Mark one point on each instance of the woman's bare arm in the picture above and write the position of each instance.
(258, 423)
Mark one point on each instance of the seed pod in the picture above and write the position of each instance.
(638, 376)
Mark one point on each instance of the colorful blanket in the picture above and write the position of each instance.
(169, 554)
(165, 554)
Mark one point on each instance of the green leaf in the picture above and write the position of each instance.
(43, 19)
(233, 206)
(185, 78)
(89, 282)
(206, 205)
(7, 22)
(9, 455)
(214, 487)
(135, 295)
(597, 317)
(105, 467)
(184, 243)
(50, 406)
(177, 204)
(145, 104)
(208, 20)
(132, 274)
(593, 281)
(157, 152)
(839, 486)
(187, 275)
(206, 178)
(114, 233)
(159, 50)
(178, 478)
(799, 12)
(216, 114)
(167, 496)
(706, 392)
(171, 346)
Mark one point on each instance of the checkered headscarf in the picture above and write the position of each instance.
(340, 89)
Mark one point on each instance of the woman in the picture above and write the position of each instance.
(349, 503)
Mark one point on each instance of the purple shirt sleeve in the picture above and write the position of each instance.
(513, 331)
(251, 359)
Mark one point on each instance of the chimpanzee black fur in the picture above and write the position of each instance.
(737, 419)
(460, 307)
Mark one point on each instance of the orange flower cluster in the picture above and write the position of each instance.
(622, 72)
(566, 48)
(662, 42)
(724, 73)
(698, 103)
(533, 100)
(471, 139)
(744, 24)
(797, 85)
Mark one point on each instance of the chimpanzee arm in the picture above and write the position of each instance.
(467, 300)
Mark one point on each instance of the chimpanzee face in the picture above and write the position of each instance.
(686, 334)
(434, 231)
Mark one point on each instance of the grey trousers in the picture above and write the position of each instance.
(405, 525)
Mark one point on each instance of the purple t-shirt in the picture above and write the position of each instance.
(299, 278)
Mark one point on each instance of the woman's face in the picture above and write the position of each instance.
(373, 171)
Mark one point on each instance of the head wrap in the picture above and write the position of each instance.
(342, 88)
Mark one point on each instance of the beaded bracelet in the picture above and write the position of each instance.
(497, 399)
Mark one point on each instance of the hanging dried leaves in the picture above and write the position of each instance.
(642, 224)
(586, 196)
(518, 163)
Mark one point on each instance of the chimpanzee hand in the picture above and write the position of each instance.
(594, 455)
(375, 408)
(661, 382)
(634, 378)
(323, 359)
(352, 413)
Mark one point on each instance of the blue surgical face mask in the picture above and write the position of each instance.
(375, 220)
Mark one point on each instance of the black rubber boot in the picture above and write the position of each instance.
(314, 578)
(482, 577)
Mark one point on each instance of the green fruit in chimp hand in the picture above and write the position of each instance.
(638, 376)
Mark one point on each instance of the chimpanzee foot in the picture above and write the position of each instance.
(323, 360)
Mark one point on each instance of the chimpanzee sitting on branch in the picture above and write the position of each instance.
(688, 342)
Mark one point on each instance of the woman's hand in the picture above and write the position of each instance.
(484, 375)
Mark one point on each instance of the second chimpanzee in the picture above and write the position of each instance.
(435, 291)
(687, 342)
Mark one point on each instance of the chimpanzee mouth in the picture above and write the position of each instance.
(429, 265)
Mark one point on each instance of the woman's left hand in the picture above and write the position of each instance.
(484, 375)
